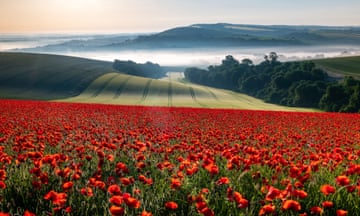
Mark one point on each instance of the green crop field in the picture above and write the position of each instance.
(115, 88)
(61, 78)
(345, 66)
(39, 76)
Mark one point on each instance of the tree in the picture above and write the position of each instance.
(266, 58)
(230, 61)
(307, 94)
(354, 101)
(246, 61)
(273, 57)
(334, 99)
(148, 69)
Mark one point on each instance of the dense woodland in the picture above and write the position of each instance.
(299, 84)
(148, 69)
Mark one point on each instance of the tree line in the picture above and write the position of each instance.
(149, 69)
(297, 84)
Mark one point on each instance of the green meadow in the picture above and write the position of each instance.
(45, 77)
(344, 66)
(72, 79)
(117, 88)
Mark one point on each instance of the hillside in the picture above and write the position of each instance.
(39, 76)
(206, 36)
(344, 66)
(61, 78)
(114, 88)
(294, 84)
(218, 35)
(225, 34)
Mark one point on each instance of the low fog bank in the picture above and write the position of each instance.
(205, 57)
(183, 57)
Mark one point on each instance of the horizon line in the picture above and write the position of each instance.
(114, 32)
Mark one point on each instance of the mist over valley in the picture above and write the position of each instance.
(196, 45)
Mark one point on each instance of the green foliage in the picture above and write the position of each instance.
(148, 69)
(343, 97)
(292, 83)
(296, 84)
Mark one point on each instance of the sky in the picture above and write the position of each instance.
(126, 16)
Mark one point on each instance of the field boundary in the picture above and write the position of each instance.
(146, 90)
(212, 94)
(121, 87)
(170, 93)
(103, 86)
(193, 96)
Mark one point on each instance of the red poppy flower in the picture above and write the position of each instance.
(87, 192)
(223, 180)
(29, 213)
(117, 211)
(300, 194)
(100, 184)
(116, 200)
(2, 174)
(2, 185)
(175, 183)
(67, 185)
(140, 165)
(145, 213)
(56, 198)
(327, 189)
(114, 189)
(327, 204)
(342, 180)
(341, 212)
(273, 193)
(200, 205)
(171, 205)
(126, 181)
(212, 168)
(267, 209)
(243, 203)
(131, 202)
(316, 210)
(291, 205)
(207, 211)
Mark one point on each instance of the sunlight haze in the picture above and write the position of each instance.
(157, 15)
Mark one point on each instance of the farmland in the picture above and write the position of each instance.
(115, 88)
(346, 66)
(81, 159)
(63, 78)
(40, 76)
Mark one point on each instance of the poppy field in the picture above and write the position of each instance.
(88, 159)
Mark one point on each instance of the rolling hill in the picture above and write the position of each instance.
(114, 88)
(40, 76)
(343, 66)
(218, 35)
(225, 34)
(61, 78)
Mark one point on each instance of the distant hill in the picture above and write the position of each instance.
(39, 76)
(221, 35)
(224, 34)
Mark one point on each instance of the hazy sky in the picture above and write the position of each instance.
(157, 15)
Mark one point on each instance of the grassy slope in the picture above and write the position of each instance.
(348, 66)
(113, 88)
(52, 77)
(37, 76)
